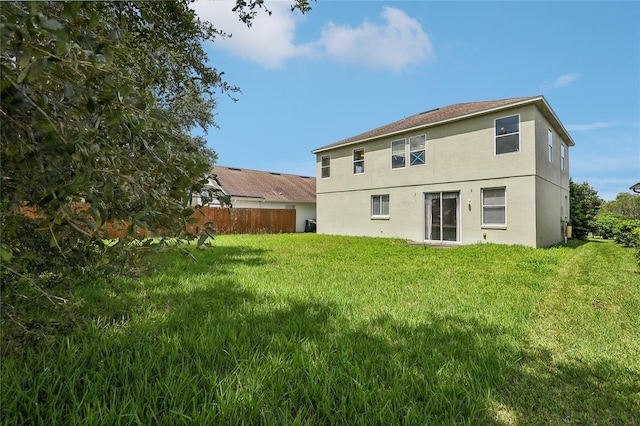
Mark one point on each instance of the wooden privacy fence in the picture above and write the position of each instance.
(247, 221)
(222, 220)
(230, 221)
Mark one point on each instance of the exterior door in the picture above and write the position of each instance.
(441, 216)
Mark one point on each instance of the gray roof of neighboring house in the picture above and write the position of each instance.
(453, 113)
(267, 186)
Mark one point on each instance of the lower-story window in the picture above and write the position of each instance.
(380, 205)
(494, 206)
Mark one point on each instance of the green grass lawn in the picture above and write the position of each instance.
(313, 329)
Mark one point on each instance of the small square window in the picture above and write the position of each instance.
(380, 205)
(507, 135)
(326, 166)
(358, 161)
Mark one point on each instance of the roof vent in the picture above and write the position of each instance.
(305, 177)
(431, 110)
(233, 168)
(275, 174)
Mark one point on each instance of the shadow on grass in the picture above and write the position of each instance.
(571, 244)
(218, 259)
(222, 354)
(40, 320)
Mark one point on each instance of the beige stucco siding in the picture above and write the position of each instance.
(460, 157)
(552, 184)
(552, 210)
(457, 151)
(349, 213)
(551, 171)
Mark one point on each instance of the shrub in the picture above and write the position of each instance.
(627, 233)
(604, 225)
(584, 206)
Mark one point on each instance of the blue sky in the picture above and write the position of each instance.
(350, 66)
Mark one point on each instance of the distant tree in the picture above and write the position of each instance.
(605, 224)
(585, 205)
(625, 206)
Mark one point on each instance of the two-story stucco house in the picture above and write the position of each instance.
(494, 171)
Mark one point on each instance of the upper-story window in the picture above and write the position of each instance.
(417, 152)
(562, 154)
(550, 144)
(326, 166)
(398, 154)
(358, 161)
(507, 134)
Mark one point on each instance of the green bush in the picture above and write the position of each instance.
(604, 225)
(627, 233)
(585, 205)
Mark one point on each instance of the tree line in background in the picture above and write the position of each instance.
(618, 219)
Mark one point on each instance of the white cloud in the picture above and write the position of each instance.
(396, 44)
(562, 81)
(591, 126)
(270, 40)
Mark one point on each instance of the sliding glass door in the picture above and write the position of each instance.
(441, 216)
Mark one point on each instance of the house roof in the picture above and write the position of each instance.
(267, 186)
(453, 113)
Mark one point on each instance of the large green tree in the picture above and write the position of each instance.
(99, 100)
(585, 204)
(625, 206)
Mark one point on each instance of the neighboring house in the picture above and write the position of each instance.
(267, 190)
(495, 171)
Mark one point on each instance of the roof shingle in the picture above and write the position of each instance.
(267, 186)
(436, 116)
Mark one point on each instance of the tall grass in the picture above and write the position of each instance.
(312, 329)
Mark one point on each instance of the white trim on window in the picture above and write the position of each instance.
(325, 166)
(494, 207)
(398, 156)
(418, 150)
(380, 206)
(550, 144)
(507, 135)
(563, 149)
(358, 161)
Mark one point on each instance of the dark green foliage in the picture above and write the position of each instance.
(585, 205)
(98, 100)
(604, 224)
(627, 233)
(98, 103)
